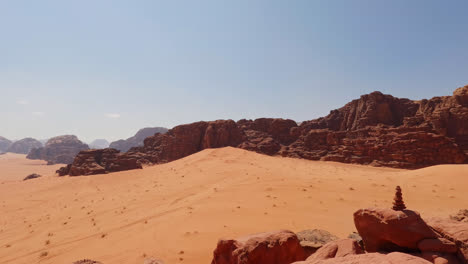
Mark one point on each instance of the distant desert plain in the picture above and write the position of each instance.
(177, 211)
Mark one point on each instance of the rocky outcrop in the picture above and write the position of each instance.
(336, 249)
(24, 145)
(4, 144)
(376, 129)
(279, 247)
(61, 149)
(99, 144)
(371, 258)
(390, 230)
(99, 161)
(137, 140)
(436, 240)
(32, 176)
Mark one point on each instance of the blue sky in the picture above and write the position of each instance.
(104, 69)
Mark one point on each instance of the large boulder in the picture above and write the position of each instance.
(61, 149)
(336, 249)
(279, 247)
(453, 231)
(24, 146)
(390, 230)
(371, 258)
(137, 140)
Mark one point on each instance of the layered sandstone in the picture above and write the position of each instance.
(376, 129)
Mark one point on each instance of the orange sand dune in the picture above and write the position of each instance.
(177, 211)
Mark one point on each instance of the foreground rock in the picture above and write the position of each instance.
(390, 230)
(336, 249)
(4, 144)
(437, 240)
(32, 176)
(279, 247)
(24, 145)
(61, 149)
(376, 129)
(371, 258)
(137, 140)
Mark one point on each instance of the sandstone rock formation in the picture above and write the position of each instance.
(24, 145)
(376, 129)
(99, 161)
(4, 144)
(137, 140)
(336, 249)
(31, 176)
(61, 149)
(436, 240)
(371, 258)
(390, 230)
(279, 247)
(99, 144)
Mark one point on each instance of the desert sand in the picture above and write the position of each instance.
(177, 211)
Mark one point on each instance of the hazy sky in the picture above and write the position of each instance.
(104, 69)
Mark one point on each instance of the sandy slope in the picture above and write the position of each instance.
(188, 204)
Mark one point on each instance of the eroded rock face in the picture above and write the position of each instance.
(61, 149)
(137, 140)
(279, 247)
(376, 129)
(24, 145)
(99, 161)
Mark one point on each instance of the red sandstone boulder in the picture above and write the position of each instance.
(437, 245)
(389, 230)
(278, 247)
(335, 249)
(371, 258)
(454, 231)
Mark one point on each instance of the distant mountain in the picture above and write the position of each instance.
(61, 149)
(4, 144)
(24, 145)
(137, 139)
(99, 144)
